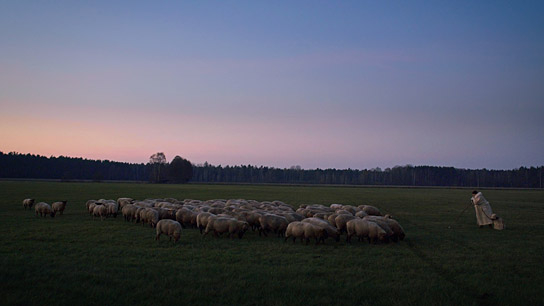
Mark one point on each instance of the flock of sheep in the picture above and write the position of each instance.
(44, 209)
(236, 216)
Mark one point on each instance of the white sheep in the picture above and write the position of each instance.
(59, 206)
(27, 203)
(43, 209)
(169, 227)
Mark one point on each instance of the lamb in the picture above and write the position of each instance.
(305, 231)
(169, 227)
(44, 209)
(274, 223)
(365, 229)
(59, 206)
(27, 203)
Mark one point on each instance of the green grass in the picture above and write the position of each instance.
(73, 260)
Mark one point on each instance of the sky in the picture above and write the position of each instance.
(320, 84)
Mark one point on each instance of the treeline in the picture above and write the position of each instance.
(397, 176)
(15, 165)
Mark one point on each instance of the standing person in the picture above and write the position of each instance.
(483, 209)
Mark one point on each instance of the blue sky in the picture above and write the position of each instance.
(351, 84)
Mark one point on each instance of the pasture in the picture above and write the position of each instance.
(73, 259)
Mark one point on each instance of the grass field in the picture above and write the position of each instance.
(74, 260)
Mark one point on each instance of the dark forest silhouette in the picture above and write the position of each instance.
(16, 165)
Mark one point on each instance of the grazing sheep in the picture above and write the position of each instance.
(371, 210)
(165, 213)
(365, 229)
(202, 220)
(295, 230)
(151, 216)
(169, 227)
(27, 203)
(128, 212)
(331, 219)
(90, 207)
(336, 206)
(89, 202)
(341, 220)
(44, 209)
(351, 209)
(275, 223)
(59, 206)
(381, 221)
(305, 231)
(332, 231)
(252, 218)
(398, 231)
(124, 201)
(186, 217)
(220, 225)
(113, 208)
(100, 211)
(361, 214)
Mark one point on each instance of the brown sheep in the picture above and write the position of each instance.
(169, 227)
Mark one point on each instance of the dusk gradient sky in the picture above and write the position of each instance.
(320, 84)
